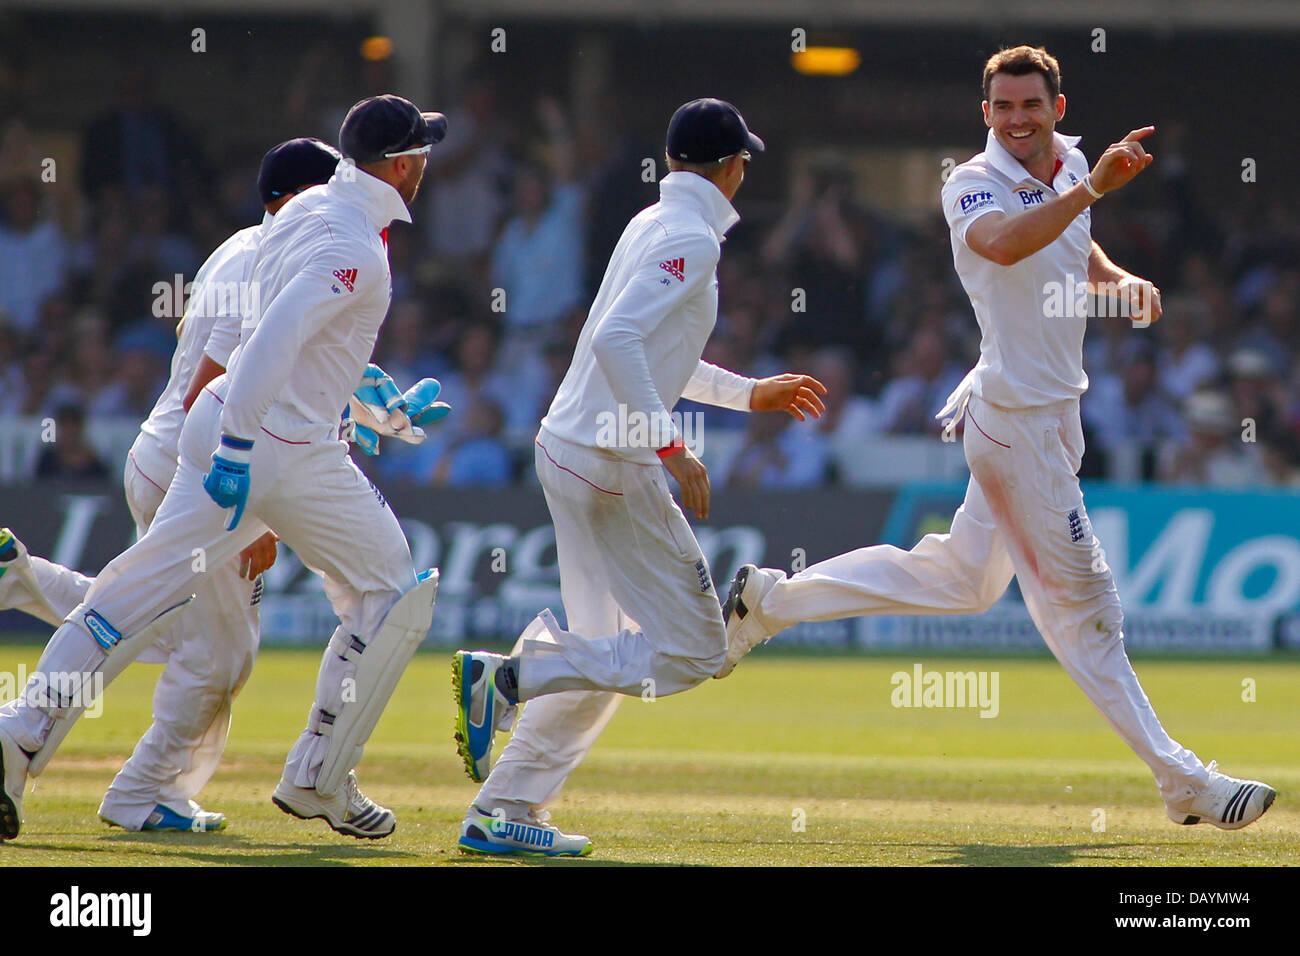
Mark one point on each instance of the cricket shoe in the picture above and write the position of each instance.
(349, 811)
(13, 779)
(482, 708)
(744, 633)
(1227, 802)
(193, 819)
(530, 836)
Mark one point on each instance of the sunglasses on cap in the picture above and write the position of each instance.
(744, 154)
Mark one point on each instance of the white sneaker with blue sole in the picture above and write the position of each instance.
(192, 818)
(481, 708)
(482, 832)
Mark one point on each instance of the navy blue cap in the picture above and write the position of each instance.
(294, 165)
(380, 126)
(706, 130)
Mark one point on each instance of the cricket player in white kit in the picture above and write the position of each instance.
(323, 287)
(1021, 236)
(210, 651)
(642, 611)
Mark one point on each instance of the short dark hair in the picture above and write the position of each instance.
(1021, 61)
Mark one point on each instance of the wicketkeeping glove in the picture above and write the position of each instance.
(227, 482)
(379, 406)
(359, 435)
(420, 405)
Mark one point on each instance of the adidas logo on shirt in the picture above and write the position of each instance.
(675, 268)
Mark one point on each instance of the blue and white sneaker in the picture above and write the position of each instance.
(1227, 802)
(192, 819)
(8, 549)
(530, 836)
(482, 708)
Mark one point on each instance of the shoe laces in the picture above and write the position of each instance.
(357, 800)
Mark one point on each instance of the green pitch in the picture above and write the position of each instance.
(791, 761)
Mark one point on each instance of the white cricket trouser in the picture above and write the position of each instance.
(306, 488)
(629, 567)
(1023, 514)
(208, 654)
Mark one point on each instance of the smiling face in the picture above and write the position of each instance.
(1023, 114)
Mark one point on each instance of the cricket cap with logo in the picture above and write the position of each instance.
(707, 129)
(294, 165)
(381, 127)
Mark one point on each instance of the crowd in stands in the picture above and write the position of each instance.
(510, 236)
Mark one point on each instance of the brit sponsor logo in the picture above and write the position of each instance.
(977, 200)
(1030, 197)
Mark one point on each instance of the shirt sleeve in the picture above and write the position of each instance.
(673, 270)
(713, 385)
(967, 197)
(227, 313)
(307, 303)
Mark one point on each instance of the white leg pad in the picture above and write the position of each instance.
(119, 656)
(374, 668)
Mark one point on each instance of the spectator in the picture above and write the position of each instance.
(404, 350)
(472, 456)
(926, 377)
(33, 253)
(849, 419)
(819, 239)
(778, 454)
(138, 143)
(69, 455)
(538, 260)
(1127, 415)
(468, 173)
(1213, 453)
(1187, 364)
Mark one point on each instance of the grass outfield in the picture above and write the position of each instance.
(722, 774)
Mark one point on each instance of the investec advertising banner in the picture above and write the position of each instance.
(1197, 571)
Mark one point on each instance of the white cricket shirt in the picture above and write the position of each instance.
(1032, 314)
(639, 351)
(323, 288)
(213, 315)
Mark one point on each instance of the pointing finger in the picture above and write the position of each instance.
(1137, 134)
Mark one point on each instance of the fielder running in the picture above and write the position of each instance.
(210, 651)
(259, 450)
(629, 563)
(1021, 232)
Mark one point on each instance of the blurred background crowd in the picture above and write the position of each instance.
(528, 194)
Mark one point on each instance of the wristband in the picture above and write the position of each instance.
(672, 448)
(1087, 184)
